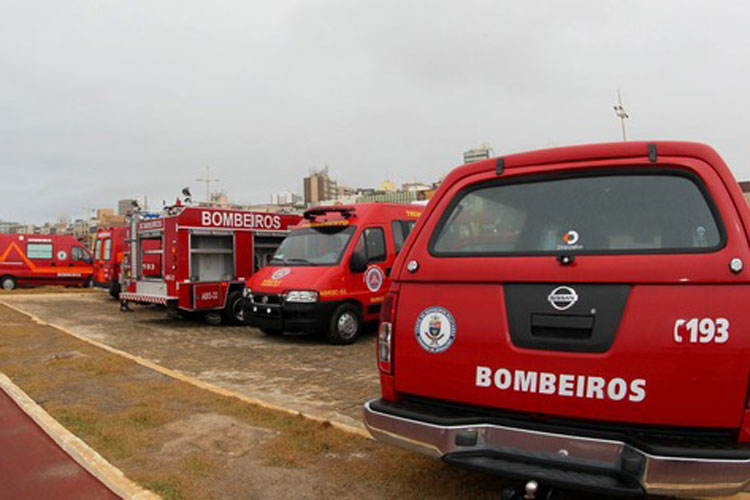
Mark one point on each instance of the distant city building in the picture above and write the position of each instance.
(126, 205)
(415, 186)
(318, 186)
(285, 198)
(389, 197)
(388, 186)
(481, 153)
(8, 227)
(745, 187)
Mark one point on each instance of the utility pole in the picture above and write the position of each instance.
(620, 112)
(208, 180)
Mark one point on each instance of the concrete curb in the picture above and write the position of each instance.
(90, 460)
(350, 429)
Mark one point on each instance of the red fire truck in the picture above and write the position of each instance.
(332, 272)
(43, 259)
(576, 317)
(204, 257)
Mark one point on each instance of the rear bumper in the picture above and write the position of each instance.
(556, 459)
(142, 298)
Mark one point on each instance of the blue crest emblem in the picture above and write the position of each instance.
(436, 326)
(435, 329)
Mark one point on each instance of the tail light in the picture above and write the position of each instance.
(385, 333)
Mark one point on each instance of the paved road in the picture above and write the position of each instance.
(301, 373)
(33, 466)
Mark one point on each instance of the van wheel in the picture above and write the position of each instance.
(271, 332)
(346, 325)
(234, 311)
(7, 283)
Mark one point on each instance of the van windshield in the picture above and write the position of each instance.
(313, 246)
(630, 213)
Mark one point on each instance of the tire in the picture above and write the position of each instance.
(8, 283)
(346, 325)
(234, 311)
(271, 332)
(114, 290)
(88, 283)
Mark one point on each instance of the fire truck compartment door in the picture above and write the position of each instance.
(157, 288)
(208, 295)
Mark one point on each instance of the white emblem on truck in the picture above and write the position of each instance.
(562, 298)
(435, 329)
(374, 278)
(280, 273)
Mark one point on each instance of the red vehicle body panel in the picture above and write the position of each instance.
(337, 283)
(48, 261)
(108, 253)
(167, 267)
(696, 385)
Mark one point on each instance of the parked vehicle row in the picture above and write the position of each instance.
(573, 316)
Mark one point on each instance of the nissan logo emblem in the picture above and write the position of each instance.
(562, 298)
(264, 300)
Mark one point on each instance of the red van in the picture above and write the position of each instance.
(43, 259)
(577, 317)
(331, 272)
(108, 254)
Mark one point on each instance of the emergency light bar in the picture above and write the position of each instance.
(313, 212)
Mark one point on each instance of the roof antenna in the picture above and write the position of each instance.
(621, 114)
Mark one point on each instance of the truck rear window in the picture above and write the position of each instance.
(658, 212)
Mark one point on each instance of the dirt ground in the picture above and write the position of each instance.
(303, 373)
(184, 442)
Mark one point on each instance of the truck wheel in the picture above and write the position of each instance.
(271, 332)
(346, 325)
(234, 311)
(7, 283)
(114, 291)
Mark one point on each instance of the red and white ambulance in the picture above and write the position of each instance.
(196, 259)
(43, 259)
(577, 317)
(331, 273)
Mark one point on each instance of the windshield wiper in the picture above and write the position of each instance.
(297, 259)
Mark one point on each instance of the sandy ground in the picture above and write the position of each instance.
(303, 373)
(215, 450)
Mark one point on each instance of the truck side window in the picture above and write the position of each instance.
(372, 244)
(39, 250)
(375, 244)
(401, 229)
(76, 253)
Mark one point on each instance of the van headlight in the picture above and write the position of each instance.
(305, 296)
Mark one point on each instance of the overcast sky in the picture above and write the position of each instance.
(102, 100)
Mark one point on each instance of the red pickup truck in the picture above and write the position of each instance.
(577, 317)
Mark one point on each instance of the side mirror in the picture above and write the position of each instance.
(357, 263)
